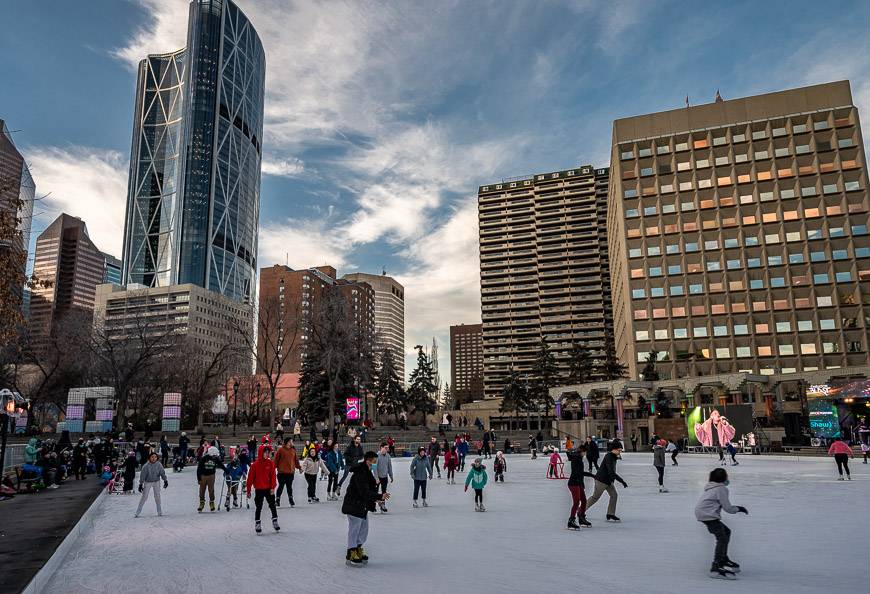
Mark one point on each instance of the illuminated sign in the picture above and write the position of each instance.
(824, 419)
(819, 390)
(352, 409)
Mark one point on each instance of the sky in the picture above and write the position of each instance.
(383, 118)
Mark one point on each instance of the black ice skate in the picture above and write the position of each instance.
(362, 555)
(201, 505)
(211, 505)
(258, 527)
(583, 521)
(275, 524)
(612, 518)
(572, 524)
(731, 566)
(720, 573)
(353, 559)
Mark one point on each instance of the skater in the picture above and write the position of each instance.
(262, 478)
(232, 477)
(310, 466)
(841, 453)
(708, 512)
(553, 467)
(592, 453)
(130, 466)
(334, 464)
(297, 431)
(732, 451)
(533, 447)
(149, 480)
(605, 478)
(486, 445)
(451, 463)
(279, 431)
(477, 479)
(384, 472)
(183, 445)
(208, 464)
(353, 455)
(287, 463)
(434, 452)
(659, 463)
(633, 440)
(420, 472)
(359, 500)
(499, 466)
(577, 489)
(462, 450)
(673, 450)
(164, 451)
(865, 450)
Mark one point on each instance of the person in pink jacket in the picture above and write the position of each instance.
(555, 461)
(841, 453)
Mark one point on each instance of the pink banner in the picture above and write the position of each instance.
(352, 409)
(620, 414)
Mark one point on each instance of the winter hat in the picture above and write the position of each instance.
(478, 461)
(213, 451)
(616, 445)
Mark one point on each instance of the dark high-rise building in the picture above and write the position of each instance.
(544, 270)
(112, 269)
(72, 265)
(17, 192)
(466, 363)
(194, 189)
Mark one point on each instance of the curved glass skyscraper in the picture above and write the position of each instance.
(194, 191)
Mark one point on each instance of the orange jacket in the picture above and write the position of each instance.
(286, 460)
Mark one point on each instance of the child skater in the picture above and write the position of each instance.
(263, 478)
(553, 468)
(659, 463)
(708, 512)
(499, 466)
(451, 463)
(575, 485)
(732, 451)
(477, 478)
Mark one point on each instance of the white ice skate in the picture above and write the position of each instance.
(482, 508)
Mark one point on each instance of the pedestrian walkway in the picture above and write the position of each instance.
(33, 526)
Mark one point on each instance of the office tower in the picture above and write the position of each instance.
(466, 363)
(72, 267)
(17, 192)
(738, 235)
(389, 315)
(194, 189)
(289, 300)
(112, 269)
(543, 270)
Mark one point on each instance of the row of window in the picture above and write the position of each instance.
(783, 350)
(819, 278)
(786, 327)
(689, 247)
(735, 307)
(727, 222)
(809, 189)
(773, 282)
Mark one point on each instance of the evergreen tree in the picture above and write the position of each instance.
(650, 373)
(580, 366)
(447, 397)
(420, 394)
(515, 397)
(313, 389)
(391, 396)
(610, 368)
(546, 375)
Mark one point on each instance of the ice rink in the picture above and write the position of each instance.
(806, 533)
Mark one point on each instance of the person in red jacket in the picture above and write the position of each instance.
(841, 453)
(262, 478)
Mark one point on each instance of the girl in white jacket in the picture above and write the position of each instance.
(310, 465)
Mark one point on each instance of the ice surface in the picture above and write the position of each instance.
(807, 533)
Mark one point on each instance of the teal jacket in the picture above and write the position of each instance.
(477, 477)
(30, 451)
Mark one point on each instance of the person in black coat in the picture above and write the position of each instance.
(576, 487)
(604, 479)
(80, 459)
(360, 499)
(353, 457)
(592, 453)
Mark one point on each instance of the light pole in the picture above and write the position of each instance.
(235, 405)
(7, 401)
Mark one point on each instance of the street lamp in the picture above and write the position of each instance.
(8, 400)
(235, 404)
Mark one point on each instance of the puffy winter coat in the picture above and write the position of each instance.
(286, 460)
(234, 471)
(330, 458)
(420, 468)
(451, 460)
(712, 502)
(658, 456)
(361, 494)
(30, 451)
(208, 464)
(261, 475)
(462, 448)
(840, 447)
(313, 465)
(476, 477)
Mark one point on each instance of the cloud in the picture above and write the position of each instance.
(301, 244)
(83, 182)
(291, 167)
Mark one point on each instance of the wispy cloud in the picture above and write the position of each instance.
(291, 167)
(301, 243)
(84, 182)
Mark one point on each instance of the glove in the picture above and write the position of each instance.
(466, 488)
(165, 484)
(141, 487)
(742, 510)
(624, 485)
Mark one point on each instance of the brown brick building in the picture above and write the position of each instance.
(288, 300)
(466, 362)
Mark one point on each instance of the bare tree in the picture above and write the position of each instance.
(272, 342)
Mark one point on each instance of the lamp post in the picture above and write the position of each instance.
(7, 401)
(257, 409)
(235, 405)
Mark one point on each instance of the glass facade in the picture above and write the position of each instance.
(193, 211)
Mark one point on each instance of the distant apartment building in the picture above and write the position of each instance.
(739, 235)
(466, 363)
(71, 267)
(17, 193)
(543, 269)
(112, 269)
(289, 300)
(389, 315)
(209, 320)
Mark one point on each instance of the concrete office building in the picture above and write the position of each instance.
(389, 315)
(739, 236)
(543, 269)
(289, 300)
(72, 267)
(466, 363)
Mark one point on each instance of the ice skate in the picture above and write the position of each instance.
(572, 524)
(275, 524)
(258, 528)
(291, 503)
(415, 503)
(476, 507)
(235, 502)
(662, 490)
(482, 508)
(362, 555)
(201, 505)
(352, 559)
(425, 504)
(583, 521)
(720, 573)
(731, 566)
(849, 478)
(316, 500)
(227, 504)
(613, 518)
(211, 505)
(841, 479)
(310, 500)
(338, 491)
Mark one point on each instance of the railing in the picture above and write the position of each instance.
(14, 456)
